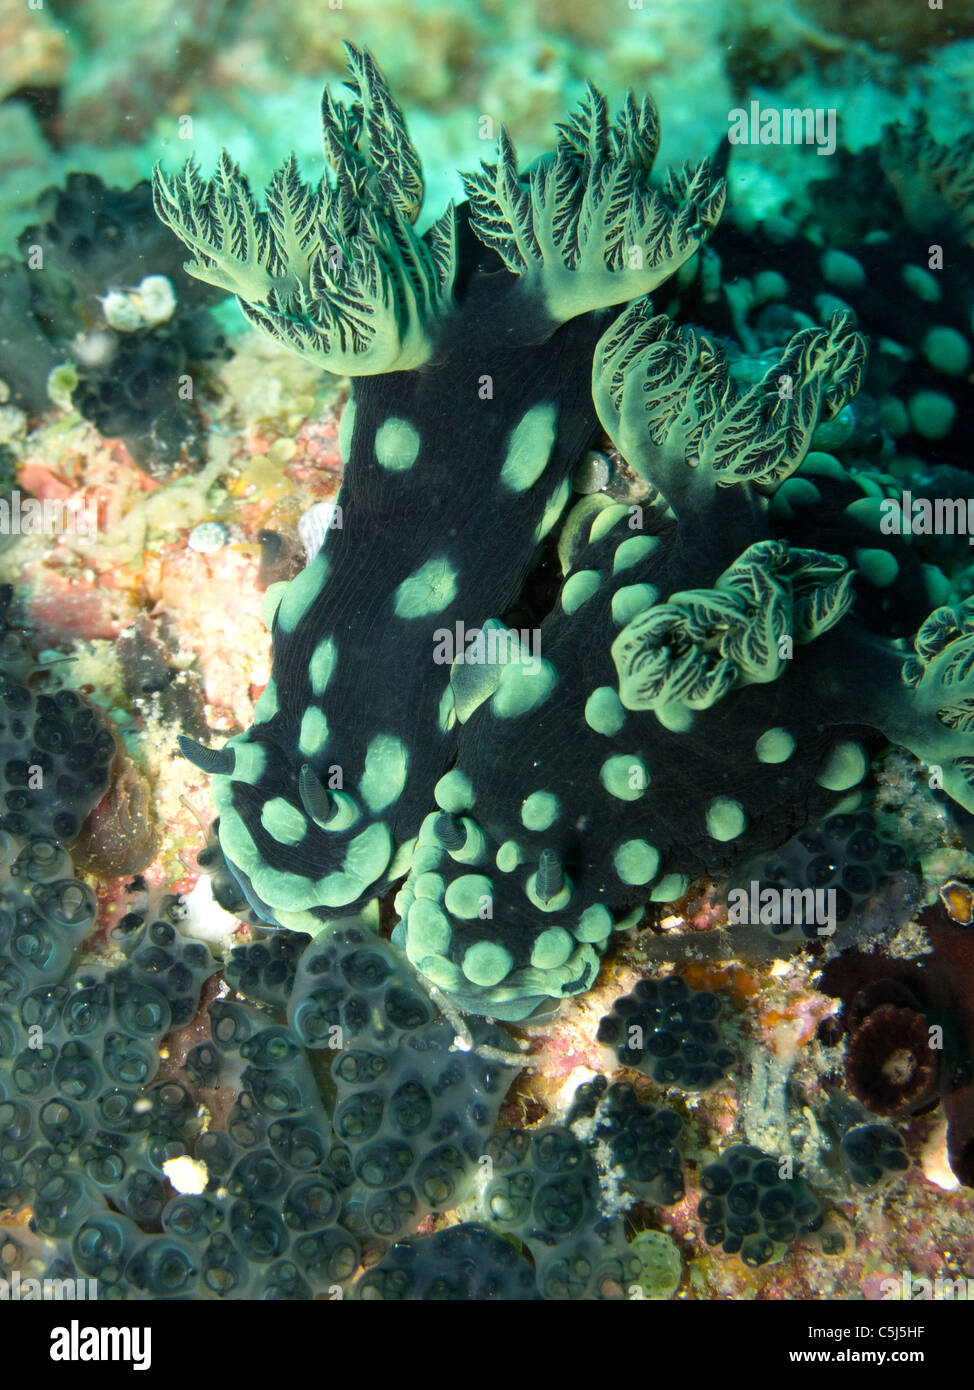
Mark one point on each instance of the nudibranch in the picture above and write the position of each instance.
(469, 350)
(700, 686)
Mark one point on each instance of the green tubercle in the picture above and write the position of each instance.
(631, 600)
(624, 776)
(552, 948)
(670, 888)
(522, 689)
(539, 811)
(846, 767)
(429, 885)
(604, 712)
(595, 924)
(250, 760)
(346, 427)
(487, 963)
(529, 447)
(271, 602)
(266, 707)
(313, 734)
(396, 444)
(453, 792)
(429, 929)
(386, 765)
(553, 508)
(322, 665)
(301, 593)
(578, 589)
(466, 896)
(880, 567)
(605, 520)
(632, 551)
(508, 856)
(283, 822)
(726, 819)
(431, 589)
(774, 746)
(636, 861)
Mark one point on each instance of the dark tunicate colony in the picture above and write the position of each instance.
(873, 1155)
(846, 854)
(669, 1032)
(136, 381)
(751, 1206)
(640, 1138)
(544, 1190)
(462, 1262)
(54, 751)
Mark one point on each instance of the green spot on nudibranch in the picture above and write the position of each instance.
(446, 715)
(429, 885)
(365, 858)
(487, 963)
(624, 776)
(630, 601)
(677, 718)
(932, 414)
(322, 665)
(508, 856)
(540, 810)
(271, 601)
(431, 589)
(947, 350)
(429, 930)
(396, 444)
(553, 508)
(250, 761)
(386, 764)
(845, 767)
(402, 860)
(266, 707)
(879, 566)
(302, 591)
(346, 811)
(799, 491)
(465, 895)
(774, 746)
(633, 550)
(313, 734)
(522, 688)
(605, 521)
(670, 888)
(578, 589)
(552, 948)
(283, 822)
(595, 924)
(454, 792)
(726, 819)
(604, 712)
(443, 972)
(529, 447)
(636, 861)
(235, 839)
(346, 426)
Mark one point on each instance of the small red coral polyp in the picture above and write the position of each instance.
(890, 1064)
